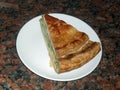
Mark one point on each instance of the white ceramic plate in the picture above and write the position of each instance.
(33, 53)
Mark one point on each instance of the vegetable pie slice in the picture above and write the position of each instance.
(68, 48)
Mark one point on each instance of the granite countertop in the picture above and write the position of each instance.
(102, 15)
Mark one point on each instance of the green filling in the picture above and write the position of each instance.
(49, 44)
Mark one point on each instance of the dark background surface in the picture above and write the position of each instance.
(102, 15)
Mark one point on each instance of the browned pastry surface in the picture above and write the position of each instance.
(65, 37)
(78, 59)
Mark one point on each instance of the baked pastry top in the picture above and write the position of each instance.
(65, 37)
(68, 47)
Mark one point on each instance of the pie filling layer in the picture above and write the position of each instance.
(49, 44)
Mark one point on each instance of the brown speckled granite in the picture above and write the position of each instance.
(102, 15)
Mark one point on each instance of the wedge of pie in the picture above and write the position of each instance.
(68, 48)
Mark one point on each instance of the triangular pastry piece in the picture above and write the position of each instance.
(68, 48)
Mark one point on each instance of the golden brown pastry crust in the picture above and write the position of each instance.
(73, 48)
(65, 37)
(78, 59)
